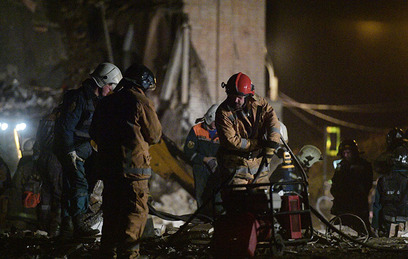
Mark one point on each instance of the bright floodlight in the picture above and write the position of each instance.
(3, 126)
(21, 126)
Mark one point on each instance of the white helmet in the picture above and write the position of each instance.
(309, 154)
(27, 147)
(106, 73)
(283, 132)
(209, 116)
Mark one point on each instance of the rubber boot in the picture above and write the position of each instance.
(81, 229)
(66, 229)
(54, 227)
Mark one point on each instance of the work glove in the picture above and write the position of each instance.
(210, 163)
(74, 157)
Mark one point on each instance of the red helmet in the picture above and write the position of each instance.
(239, 84)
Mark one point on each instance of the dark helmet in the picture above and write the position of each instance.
(399, 156)
(349, 144)
(140, 76)
(394, 138)
(239, 84)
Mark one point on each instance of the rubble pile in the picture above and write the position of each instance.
(18, 100)
(194, 242)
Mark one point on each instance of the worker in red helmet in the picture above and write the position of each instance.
(248, 129)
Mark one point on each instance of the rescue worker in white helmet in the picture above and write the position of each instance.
(125, 124)
(201, 147)
(287, 171)
(72, 145)
(248, 129)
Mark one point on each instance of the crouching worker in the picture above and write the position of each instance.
(201, 147)
(125, 124)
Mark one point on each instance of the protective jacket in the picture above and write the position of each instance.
(124, 125)
(391, 201)
(351, 185)
(244, 132)
(199, 144)
(74, 120)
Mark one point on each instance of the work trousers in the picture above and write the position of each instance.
(201, 175)
(125, 214)
(50, 170)
(238, 177)
(75, 197)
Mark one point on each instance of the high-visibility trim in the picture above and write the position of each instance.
(203, 133)
(244, 142)
(193, 156)
(274, 129)
(142, 171)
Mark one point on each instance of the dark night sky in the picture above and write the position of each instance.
(341, 52)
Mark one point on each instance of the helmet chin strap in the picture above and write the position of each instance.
(99, 95)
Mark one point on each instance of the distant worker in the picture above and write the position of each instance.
(124, 126)
(201, 148)
(248, 129)
(351, 184)
(50, 171)
(395, 138)
(25, 195)
(287, 171)
(72, 145)
(391, 199)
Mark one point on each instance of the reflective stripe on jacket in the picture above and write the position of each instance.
(199, 144)
(125, 125)
(237, 131)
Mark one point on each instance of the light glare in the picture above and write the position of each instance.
(21, 126)
(3, 126)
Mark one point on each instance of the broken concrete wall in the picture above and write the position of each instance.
(31, 46)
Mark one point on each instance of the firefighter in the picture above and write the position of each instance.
(25, 195)
(391, 199)
(50, 171)
(248, 129)
(124, 126)
(201, 147)
(395, 138)
(351, 184)
(249, 133)
(72, 145)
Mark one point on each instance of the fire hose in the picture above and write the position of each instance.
(197, 214)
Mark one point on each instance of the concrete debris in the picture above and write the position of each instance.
(194, 243)
(17, 99)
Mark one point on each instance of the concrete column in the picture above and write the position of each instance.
(229, 37)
